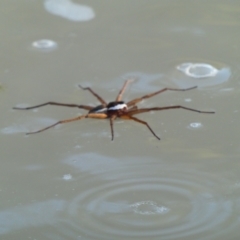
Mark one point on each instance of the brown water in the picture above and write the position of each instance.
(73, 182)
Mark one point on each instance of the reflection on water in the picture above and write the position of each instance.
(25, 216)
(69, 10)
(67, 177)
(142, 82)
(27, 126)
(195, 74)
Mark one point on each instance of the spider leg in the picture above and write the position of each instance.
(133, 108)
(101, 100)
(140, 121)
(59, 122)
(56, 104)
(90, 115)
(112, 118)
(143, 110)
(137, 100)
(119, 96)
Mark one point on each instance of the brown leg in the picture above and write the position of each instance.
(56, 104)
(95, 94)
(135, 101)
(142, 122)
(90, 115)
(59, 122)
(119, 96)
(112, 118)
(143, 110)
(133, 108)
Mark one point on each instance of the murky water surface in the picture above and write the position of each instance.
(72, 181)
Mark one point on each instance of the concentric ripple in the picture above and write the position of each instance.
(145, 202)
(183, 212)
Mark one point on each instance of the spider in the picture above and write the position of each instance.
(115, 109)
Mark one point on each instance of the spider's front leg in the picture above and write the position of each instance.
(119, 96)
(137, 100)
(89, 115)
(143, 110)
(59, 122)
(55, 104)
(100, 99)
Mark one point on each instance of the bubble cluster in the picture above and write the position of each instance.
(148, 208)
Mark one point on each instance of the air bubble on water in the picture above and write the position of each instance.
(67, 177)
(195, 125)
(45, 45)
(198, 70)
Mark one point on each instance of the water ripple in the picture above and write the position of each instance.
(152, 201)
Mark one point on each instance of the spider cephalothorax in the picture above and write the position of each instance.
(115, 109)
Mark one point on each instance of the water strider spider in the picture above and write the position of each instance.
(115, 109)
